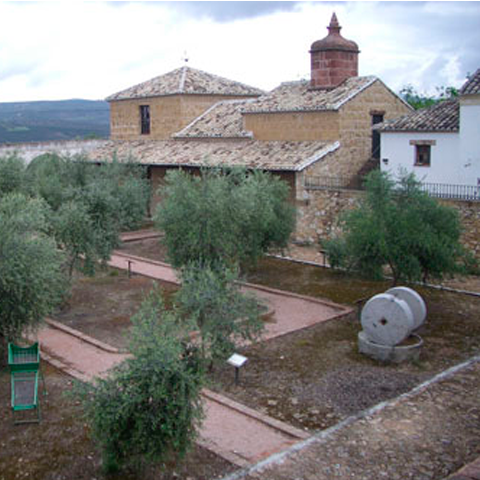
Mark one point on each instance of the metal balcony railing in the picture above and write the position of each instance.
(437, 190)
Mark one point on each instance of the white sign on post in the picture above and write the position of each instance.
(237, 360)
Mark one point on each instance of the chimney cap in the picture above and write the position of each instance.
(334, 40)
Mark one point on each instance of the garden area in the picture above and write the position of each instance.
(141, 420)
(319, 376)
(311, 379)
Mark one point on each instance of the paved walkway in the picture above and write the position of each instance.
(291, 311)
(233, 431)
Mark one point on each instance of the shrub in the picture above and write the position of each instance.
(149, 407)
(398, 226)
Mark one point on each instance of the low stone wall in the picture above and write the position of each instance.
(470, 218)
(318, 213)
(319, 210)
(29, 151)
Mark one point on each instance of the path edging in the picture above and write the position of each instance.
(256, 415)
(82, 336)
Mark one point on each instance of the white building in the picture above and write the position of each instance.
(440, 144)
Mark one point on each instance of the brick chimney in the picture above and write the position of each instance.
(333, 59)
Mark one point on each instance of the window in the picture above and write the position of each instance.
(376, 118)
(422, 155)
(423, 152)
(145, 119)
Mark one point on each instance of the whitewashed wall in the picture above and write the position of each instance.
(455, 158)
(470, 137)
(445, 164)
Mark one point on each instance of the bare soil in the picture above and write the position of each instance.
(59, 448)
(102, 306)
(155, 250)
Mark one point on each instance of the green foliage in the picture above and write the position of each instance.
(147, 410)
(212, 300)
(12, 172)
(92, 204)
(31, 279)
(399, 226)
(422, 100)
(227, 216)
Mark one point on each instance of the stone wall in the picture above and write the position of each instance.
(319, 210)
(470, 218)
(29, 151)
(293, 126)
(356, 124)
(168, 115)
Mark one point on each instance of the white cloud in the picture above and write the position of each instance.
(89, 49)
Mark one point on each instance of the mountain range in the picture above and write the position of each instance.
(53, 120)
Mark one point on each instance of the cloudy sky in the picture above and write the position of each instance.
(90, 49)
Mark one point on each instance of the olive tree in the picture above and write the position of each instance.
(31, 279)
(12, 175)
(223, 316)
(91, 204)
(398, 226)
(149, 408)
(223, 215)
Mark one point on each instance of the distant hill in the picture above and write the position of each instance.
(53, 120)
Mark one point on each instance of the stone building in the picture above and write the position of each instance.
(321, 127)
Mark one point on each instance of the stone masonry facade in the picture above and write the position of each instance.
(320, 210)
(169, 114)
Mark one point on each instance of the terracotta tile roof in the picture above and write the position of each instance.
(441, 117)
(472, 86)
(290, 156)
(186, 80)
(297, 96)
(224, 119)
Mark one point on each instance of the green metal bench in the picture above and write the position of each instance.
(24, 363)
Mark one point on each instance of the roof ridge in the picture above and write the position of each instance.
(181, 87)
(188, 81)
(181, 133)
(371, 80)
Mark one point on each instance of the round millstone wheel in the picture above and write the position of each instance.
(386, 319)
(414, 301)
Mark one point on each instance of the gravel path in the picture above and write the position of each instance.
(425, 436)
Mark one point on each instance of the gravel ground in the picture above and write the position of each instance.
(427, 436)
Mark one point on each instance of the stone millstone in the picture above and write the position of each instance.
(414, 301)
(386, 320)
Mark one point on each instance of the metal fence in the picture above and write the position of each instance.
(438, 190)
(457, 192)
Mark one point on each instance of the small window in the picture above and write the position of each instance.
(376, 118)
(422, 155)
(145, 119)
